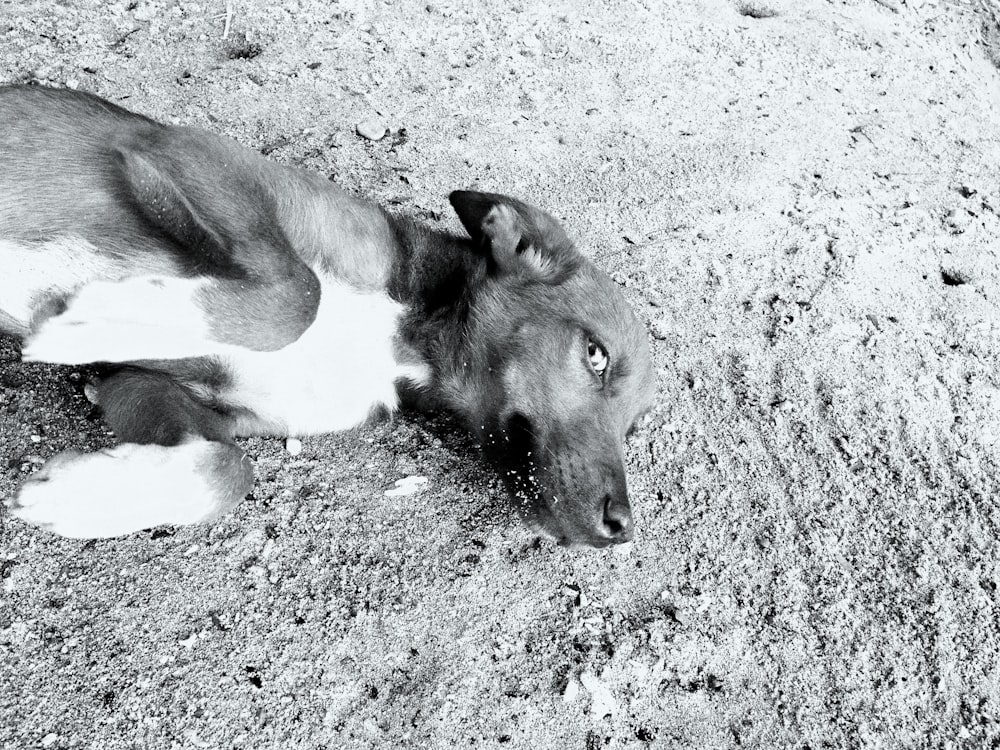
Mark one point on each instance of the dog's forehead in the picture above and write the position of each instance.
(590, 304)
(593, 298)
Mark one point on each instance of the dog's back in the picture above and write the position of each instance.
(49, 158)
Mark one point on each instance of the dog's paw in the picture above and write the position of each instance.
(133, 487)
(147, 317)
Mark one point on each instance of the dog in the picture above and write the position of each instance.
(228, 295)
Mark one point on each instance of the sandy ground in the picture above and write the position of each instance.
(801, 200)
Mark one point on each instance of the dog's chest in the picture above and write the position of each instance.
(344, 366)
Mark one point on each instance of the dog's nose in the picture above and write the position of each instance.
(617, 523)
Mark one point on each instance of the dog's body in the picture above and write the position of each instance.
(236, 296)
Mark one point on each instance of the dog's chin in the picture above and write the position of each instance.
(539, 521)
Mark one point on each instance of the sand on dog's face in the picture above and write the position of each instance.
(802, 207)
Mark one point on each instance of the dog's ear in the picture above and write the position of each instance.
(520, 239)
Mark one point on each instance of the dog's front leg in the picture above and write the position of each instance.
(239, 282)
(162, 317)
(146, 317)
(177, 464)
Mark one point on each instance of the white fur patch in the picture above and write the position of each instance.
(32, 273)
(144, 317)
(119, 491)
(538, 263)
(332, 376)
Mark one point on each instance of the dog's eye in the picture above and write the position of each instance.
(598, 358)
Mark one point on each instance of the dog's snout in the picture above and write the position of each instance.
(564, 485)
(616, 524)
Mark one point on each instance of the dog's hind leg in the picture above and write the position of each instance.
(242, 284)
(177, 464)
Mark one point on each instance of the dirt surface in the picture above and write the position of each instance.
(800, 198)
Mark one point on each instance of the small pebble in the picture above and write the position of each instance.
(372, 130)
(49, 739)
(406, 486)
(602, 702)
(624, 550)
(661, 329)
(572, 691)
(654, 298)
(958, 220)
(251, 543)
(293, 446)
(195, 740)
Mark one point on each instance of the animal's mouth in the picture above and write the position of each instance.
(571, 506)
(537, 526)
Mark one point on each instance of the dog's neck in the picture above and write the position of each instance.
(435, 276)
(433, 272)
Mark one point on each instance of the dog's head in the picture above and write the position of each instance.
(559, 372)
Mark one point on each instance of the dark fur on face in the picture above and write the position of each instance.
(520, 308)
